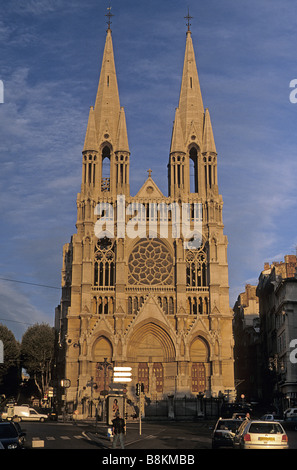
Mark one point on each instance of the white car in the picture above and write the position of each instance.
(261, 435)
(290, 413)
(33, 415)
(269, 417)
(23, 413)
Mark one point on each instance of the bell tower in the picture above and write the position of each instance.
(106, 151)
(192, 161)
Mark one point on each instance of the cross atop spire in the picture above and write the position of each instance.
(188, 17)
(109, 15)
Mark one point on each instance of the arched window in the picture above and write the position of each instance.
(104, 263)
(193, 170)
(130, 308)
(196, 267)
(105, 181)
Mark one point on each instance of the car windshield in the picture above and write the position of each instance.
(7, 430)
(228, 425)
(265, 428)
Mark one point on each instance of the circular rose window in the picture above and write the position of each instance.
(150, 263)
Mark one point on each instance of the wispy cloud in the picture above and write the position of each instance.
(50, 65)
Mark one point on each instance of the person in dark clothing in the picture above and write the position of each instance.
(118, 429)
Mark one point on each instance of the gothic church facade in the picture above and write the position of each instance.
(149, 303)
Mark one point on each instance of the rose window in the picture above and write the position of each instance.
(150, 263)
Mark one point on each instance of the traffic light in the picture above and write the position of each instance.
(137, 389)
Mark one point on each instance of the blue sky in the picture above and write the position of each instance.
(51, 52)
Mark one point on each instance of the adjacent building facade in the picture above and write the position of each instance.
(247, 351)
(132, 294)
(277, 292)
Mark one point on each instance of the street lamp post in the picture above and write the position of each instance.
(105, 366)
(276, 365)
(92, 384)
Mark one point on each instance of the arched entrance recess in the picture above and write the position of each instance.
(101, 354)
(151, 343)
(200, 366)
(151, 349)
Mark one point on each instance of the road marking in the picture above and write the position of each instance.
(50, 438)
(65, 437)
(78, 437)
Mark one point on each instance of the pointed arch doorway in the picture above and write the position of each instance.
(151, 348)
(200, 365)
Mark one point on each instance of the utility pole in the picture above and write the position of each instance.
(139, 390)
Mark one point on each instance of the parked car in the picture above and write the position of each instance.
(50, 412)
(11, 435)
(224, 432)
(290, 413)
(261, 435)
(270, 417)
(228, 409)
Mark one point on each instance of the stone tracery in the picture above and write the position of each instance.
(150, 263)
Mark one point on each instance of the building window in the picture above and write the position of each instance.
(104, 263)
(196, 263)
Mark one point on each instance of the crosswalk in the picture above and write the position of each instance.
(39, 441)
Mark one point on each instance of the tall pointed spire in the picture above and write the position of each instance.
(177, 140)
(190, 102)
(91, 142)
(107, 105)
(122, 136)
(208, 138)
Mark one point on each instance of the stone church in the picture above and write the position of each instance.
(152, 303)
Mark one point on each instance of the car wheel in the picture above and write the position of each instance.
(41, 420)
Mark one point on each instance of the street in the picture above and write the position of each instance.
(154, 435)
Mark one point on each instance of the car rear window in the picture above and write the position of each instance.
(7, 430)
(228, 425)
(265, 428)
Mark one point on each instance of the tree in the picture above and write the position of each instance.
(10, 369)
(37, 354)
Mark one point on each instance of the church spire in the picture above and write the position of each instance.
(208, 138)
(91, 142)
(107, 105)
(190, 102)
(177, 140)
(122, 144)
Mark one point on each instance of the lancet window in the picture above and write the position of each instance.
(196, 263)
(104, 263)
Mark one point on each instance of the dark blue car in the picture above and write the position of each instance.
(11, 435)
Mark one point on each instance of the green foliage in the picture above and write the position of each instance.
(37, 353)
(10, 369)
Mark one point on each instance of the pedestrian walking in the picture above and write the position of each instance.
(118, 429)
